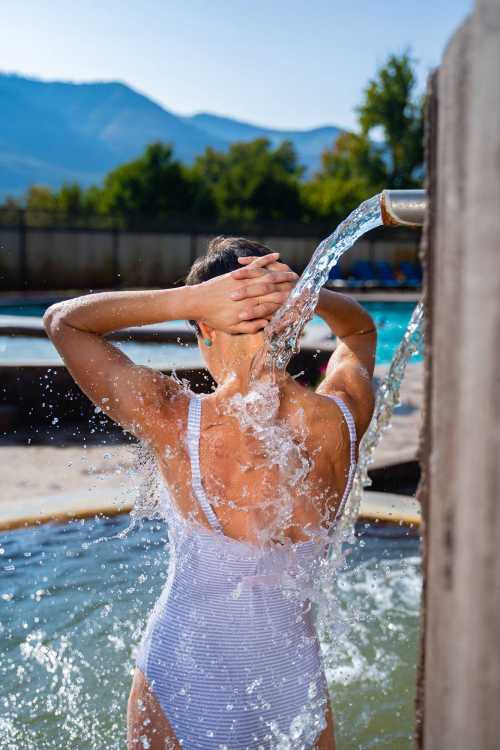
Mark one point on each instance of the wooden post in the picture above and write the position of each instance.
(425, 447)
(461, 457)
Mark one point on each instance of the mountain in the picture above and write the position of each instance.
(52, 132)
(308, 143)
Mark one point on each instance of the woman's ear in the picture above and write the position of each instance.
(207, 333)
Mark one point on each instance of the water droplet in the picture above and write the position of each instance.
(236, 592)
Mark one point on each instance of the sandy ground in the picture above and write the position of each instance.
(55, 481)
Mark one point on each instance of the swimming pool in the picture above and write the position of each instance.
(71, 616)
(391, 319)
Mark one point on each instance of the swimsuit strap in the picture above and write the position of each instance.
(193, 443)
(352, 457)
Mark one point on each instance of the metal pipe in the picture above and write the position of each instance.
(404, 208)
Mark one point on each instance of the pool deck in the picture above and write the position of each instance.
(377, 507)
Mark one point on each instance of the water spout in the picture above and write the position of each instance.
(404, 208)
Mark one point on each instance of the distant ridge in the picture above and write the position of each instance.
(52, 132)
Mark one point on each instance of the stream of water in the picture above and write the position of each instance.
(387, 399)
(284, 330)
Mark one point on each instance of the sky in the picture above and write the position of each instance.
(293, 64)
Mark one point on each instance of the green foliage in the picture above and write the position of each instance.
(252, 181)
(40, 198)
(71, 203)
(352, 171)
(357, 166)
(154, 186)
(390, 104)
(10, 211)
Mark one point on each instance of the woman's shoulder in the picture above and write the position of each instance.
(316, 407)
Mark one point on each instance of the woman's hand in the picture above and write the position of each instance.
(227, 304)
(252, 292)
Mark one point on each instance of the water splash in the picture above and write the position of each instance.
(65, 649)
(281, 450)
(285, 328)
(333, 624)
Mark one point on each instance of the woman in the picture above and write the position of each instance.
(257, 472)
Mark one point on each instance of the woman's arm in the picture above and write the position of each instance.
(135, 396)
(132, 395)
(350, 369)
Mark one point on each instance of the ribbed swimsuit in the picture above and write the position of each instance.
(230, 649)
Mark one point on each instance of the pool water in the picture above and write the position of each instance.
(25, 309)
(29, 349)
(71, 615)
(391, 319)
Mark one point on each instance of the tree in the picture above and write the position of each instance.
(73, 202)
(40, 198)
(391, 104)
(10, 210)
(41, 206)
(357, 166)
(350, 172)
(154, 186)
(252, 181)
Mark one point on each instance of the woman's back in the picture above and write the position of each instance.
(231, 647)
(273, 463)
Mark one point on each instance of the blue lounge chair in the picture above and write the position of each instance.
(412, 273)
(363, 274)
(385, 275)
(336, 277)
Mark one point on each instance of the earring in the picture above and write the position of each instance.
(207, 342)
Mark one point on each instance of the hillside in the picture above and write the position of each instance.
(51, 132)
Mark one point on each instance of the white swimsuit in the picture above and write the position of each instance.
(230, 650)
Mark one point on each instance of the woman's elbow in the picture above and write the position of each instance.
(53, 319)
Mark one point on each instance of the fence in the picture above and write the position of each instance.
(56, 257)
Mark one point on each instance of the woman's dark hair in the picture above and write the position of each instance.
(222, 257)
